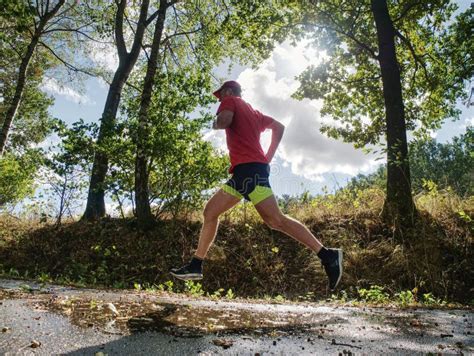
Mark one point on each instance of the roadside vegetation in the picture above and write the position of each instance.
(431, 266)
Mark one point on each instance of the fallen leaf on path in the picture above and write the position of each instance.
(225, 343)
(459, 344)
(112, 308)
(416, 323)
(35, 344)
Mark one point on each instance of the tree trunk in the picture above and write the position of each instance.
(20, 85)
(143, 211)
(95, 207)
(399, 208)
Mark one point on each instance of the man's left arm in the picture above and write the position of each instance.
(223, 120)
(277, 133)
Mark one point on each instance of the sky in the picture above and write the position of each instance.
(306, 160)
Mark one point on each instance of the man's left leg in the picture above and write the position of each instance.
(221, 201)
(331, 258)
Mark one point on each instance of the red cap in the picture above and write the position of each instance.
(228, 84)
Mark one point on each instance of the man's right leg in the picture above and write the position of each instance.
(220, 202)
(217, 205)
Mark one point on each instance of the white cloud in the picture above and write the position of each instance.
(432, 133)
(52, 86)
(104, 55)
(469, 121)
(308, 152)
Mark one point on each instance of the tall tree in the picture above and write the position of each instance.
(32, 20)
(399, 202)
(409, 81)
(143, 210)
(95, 207)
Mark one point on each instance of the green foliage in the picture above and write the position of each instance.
(230, 294)
(217, 294)
(375, 294)
(26, 288)
(194, 288)
(434, 167)
(44, 277)
(430, 300)
(253, 27)
(167, 286)
(348, 78)
(17, 176)
(68, 165)
(405, 298)
(32, 122)
(19, 20)
(447, 165)
(462, 214)
(181, 164)
(21, 11)
(279, 298)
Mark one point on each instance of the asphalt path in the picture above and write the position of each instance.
(38, 319)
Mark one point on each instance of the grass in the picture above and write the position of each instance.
(432, 264)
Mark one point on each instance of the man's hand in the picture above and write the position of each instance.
(277, 133)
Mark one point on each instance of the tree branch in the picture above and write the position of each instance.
(144, 47)
(349, 35)
(49, 14)
(39, 8)
(151, 18)
(133, 86)
(416, 58)
(141, 27)
(77, 31)
(155, 14)
(185, 33)
(119, 38)
(15, 49)
(406, 10)
(66, 64)
(68, 9)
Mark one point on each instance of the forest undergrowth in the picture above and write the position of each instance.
(431, 263)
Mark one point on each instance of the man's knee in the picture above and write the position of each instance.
(209, 212)
(276, 222)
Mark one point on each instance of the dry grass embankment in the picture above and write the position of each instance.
(252, 260)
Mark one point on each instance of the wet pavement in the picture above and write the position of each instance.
(38, 319)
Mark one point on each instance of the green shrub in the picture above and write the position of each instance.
(375, 294)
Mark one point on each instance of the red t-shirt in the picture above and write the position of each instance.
(243, 134)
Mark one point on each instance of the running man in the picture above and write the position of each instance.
(250, 171)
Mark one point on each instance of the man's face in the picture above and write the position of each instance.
(224, 93)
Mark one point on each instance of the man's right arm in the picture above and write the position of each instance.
(223, 120)
(277, 133)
